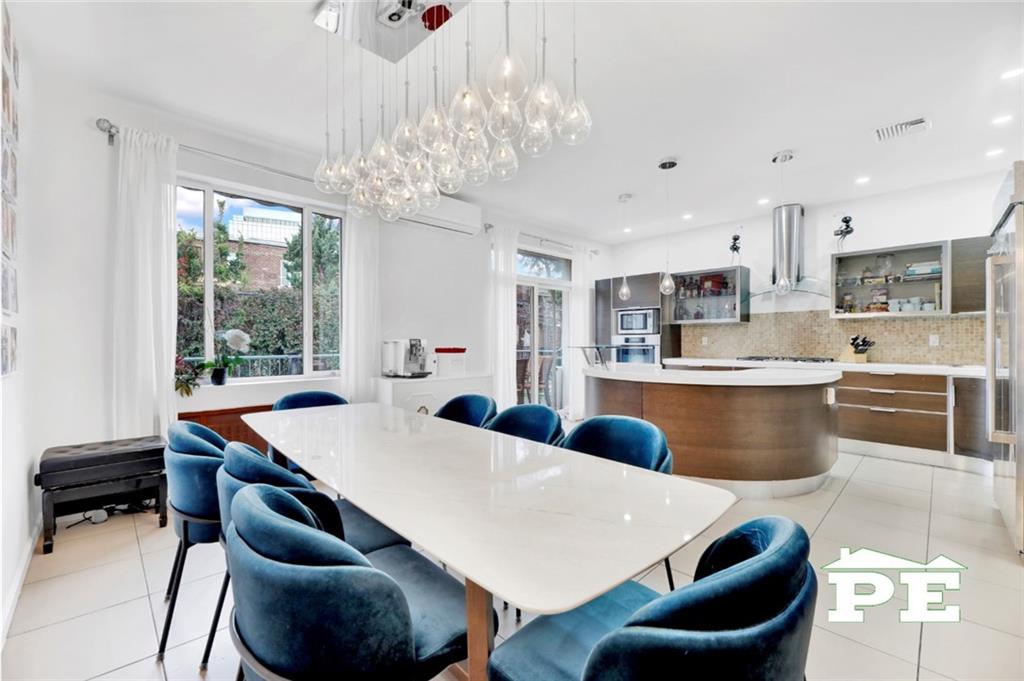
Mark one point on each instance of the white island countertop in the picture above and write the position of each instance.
(646, 373)
(957, 371)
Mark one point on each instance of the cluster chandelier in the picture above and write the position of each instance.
(464, 143)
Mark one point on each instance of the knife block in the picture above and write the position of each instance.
(848, 355)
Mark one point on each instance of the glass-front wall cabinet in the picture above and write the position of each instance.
(904, 281)
(718, 296)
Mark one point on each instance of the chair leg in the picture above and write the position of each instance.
(216, 620)
(175, 585)
(240, 676)
(668, 571)
(504, 605)
(519, 615)
(174, 570)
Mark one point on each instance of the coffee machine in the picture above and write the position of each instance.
(404, 358)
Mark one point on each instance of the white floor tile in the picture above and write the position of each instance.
(950, 475)
(981, 509)
(822, 498)
(971, 652)
(152, 537)
(882, 512)
(83, 553)
(834, 657)
(881, 628)
(999, 568)
(657, 579)
(856, 532)
(143, 670)
(202, 560)
(899, 473)
(890, 494)
(845, 464)
(78, 593)
(986, 536)
(70, 527)
(182, 663)
(194, 610)
(991, 605)
(686, 558)
(83, 647)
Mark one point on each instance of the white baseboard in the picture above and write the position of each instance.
(929, 457)
(26, 558)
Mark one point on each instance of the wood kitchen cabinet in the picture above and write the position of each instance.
(644, 288)
(897, 409)
(967, 274)
(970, 430)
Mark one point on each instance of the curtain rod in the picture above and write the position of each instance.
(544, 240)
(112, 131)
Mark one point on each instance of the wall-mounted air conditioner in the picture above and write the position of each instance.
(452, 215)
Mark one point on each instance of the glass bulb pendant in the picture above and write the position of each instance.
(467, 115)
(358, 165)
(430, 197)
(536, 139)
(783, 286)
(388, 209)
(408, 201)
(668, 284)
(380, 154)
(375, 187)
(504, 121)
(323, 174)
(504, 164)
(451, 182)
(624, 292)
(544, 103)
(506, 77)
(343, 179)
(406, 141)
(359, 202)
(472, 150)
(418, 171)
(433, 126)
(574, 123)
(477, 175)
(445, 161)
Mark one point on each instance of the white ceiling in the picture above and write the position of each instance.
(721, 85)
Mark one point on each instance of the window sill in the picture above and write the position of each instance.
(251, 392)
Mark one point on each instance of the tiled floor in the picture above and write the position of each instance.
(93, 609)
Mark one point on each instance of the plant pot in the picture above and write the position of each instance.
(218, 375)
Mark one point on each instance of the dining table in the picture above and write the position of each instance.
(545, 528)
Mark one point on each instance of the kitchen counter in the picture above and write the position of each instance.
(760, 432)
(920, 369)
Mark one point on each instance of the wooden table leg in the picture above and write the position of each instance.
(480, 629)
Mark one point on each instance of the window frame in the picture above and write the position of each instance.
(307, 206)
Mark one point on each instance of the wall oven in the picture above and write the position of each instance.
(637, 349)
(637, 322)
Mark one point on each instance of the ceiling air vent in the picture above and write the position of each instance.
(901, 129)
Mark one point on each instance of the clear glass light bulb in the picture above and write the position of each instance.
(668, 284)
(506, 76)
(451, 182)
(477, 175)
(544, 103)
(418, 171)
(575, 123)
(406, 140)
(388, 209)
(343, 179)
(472, 150)
(445, 161)
(467, 115)
(375, 187)
(433, 126)
(536, 139)
(783, 286)
(408, 201)
(504, 164)
(322, 176)
(430, 196)
(380, 154)
(359, 202)
(624, 291)
(504, 121)
(359, 166)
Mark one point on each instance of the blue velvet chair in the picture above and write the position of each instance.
(747, 616)
(301, 400)
(537, 422)
(192, 457)
(473, 410)
(309, 606)
(626, 440)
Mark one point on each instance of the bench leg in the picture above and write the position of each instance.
(49, 522)
(161, 500)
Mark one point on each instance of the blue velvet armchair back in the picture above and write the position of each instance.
(536, 422)
(192, 457)
(747, 615)
(624, 439)
(308, 605)
(309, 398)
(473, 410)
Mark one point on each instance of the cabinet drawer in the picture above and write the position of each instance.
(919, 382)
(907, 428)
(886, 397)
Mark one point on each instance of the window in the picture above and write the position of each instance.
(241, 265)
(543, 266)
(541, 296)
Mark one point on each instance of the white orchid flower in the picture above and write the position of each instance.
(237, 340)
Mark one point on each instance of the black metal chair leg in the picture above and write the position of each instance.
(668, 571)
(175, 585)
(504, 605)
(216, 619)
(174, 570)
(519, 615)
(240, 676)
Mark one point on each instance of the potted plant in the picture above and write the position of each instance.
(186, 376)
(233, 343)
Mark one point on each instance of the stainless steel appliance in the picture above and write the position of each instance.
(1004, 350)
(642, 349)
(404, 358)
(637, 322)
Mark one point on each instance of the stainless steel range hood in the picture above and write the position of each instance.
(787, 247)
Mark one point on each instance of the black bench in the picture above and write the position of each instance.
(84, 477)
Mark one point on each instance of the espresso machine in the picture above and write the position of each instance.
(404, 358)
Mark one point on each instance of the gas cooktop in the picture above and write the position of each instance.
(767, 358)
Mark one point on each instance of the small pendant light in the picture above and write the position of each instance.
(668, 284)
(624, 291)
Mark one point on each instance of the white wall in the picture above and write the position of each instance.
(949, 210)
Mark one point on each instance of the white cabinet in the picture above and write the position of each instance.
(426, 395)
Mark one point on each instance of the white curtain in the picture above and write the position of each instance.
(360, 309)
(580, 330)
(145, 295)
(504, 243)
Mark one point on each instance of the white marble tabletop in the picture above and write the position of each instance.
(544, 528)
(649, 373)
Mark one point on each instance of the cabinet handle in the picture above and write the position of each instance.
(887, 410)
(882, 373)
(881, 391)
(991, 375)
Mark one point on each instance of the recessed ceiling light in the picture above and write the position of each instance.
(763, 202)
(627, 230)
(1002, 120)
(1012, 73)
(992, 153)
(688, 216)
(863, 180)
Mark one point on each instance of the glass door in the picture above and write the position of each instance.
(540, 314)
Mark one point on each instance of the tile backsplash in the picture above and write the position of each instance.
(814, 333)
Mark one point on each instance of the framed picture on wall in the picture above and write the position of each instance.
(9, 245)
(9, 292)
(8, 349)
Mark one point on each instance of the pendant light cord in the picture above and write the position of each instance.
(362, 99)
(327, 95)
(574, 60)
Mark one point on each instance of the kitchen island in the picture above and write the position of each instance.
(758, 432)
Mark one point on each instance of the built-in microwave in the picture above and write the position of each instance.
(637, 349)
(637, 322)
